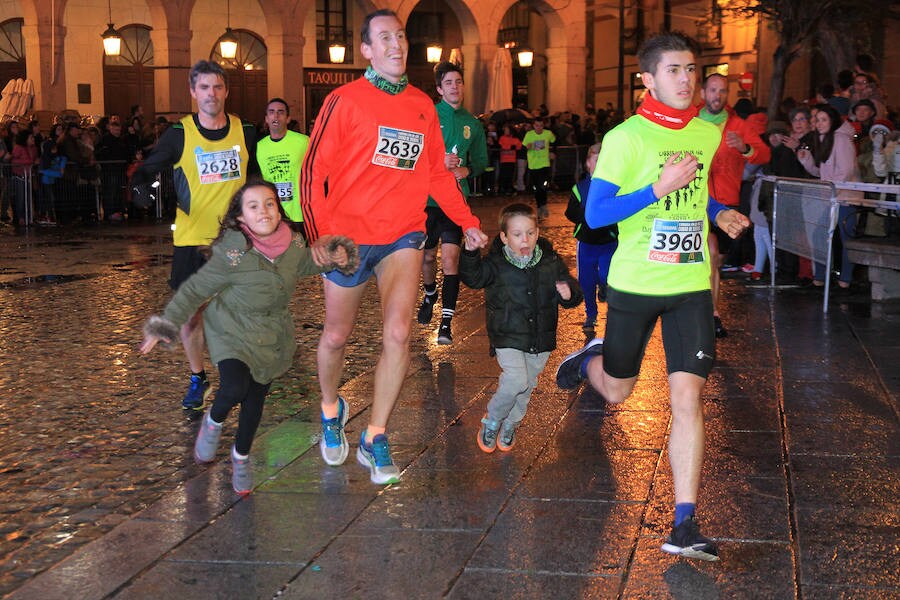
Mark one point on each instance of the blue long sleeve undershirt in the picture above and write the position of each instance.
(604, 207)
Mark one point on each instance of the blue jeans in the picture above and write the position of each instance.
(846, 225)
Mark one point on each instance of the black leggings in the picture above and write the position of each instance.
(237, 386)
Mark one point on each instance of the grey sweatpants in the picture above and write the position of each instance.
(517, 381)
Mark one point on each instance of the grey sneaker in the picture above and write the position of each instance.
(487, 434)
(207, 440)
(568, 375)
(507, 438)
(333, 445)
(445, 336)
(241, 477)
(377, 458)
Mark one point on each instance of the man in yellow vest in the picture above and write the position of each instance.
(211, 153)
(280, 156)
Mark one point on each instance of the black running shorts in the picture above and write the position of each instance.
(439, 228)
(689, 337)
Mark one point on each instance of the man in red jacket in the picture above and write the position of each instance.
(741, 143)
(375, 156)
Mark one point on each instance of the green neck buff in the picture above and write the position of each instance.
(523, 262)
(383, 84)
(716, 119)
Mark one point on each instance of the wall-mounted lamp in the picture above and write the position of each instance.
(228, 43)
(112, 42)
(525, 58)
(433, 52)
(337, 52)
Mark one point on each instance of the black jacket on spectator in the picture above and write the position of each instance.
(113, 147)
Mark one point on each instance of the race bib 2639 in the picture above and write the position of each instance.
(398, 148)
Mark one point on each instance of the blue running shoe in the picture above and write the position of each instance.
(197, 393)
(377, 458)
(333, 445)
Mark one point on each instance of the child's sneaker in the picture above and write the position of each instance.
(686, 540)
(198, 391)
(207, 440)
(487, 434)
(507, 438)
(568, 375)
(241, 477)
(333, 445)
(377, 458)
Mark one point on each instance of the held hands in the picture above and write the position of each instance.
(337, 252)
(732, 222)
(475, 239)
(563, 289)
(676, 173)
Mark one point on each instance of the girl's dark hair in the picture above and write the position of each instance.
(236, 208)
(518, 209)
(22, 137)
(821, 148)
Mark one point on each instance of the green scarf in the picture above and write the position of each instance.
(716, 119)
(383, 84)
(523, 262)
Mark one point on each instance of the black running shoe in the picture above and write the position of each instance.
(720, 329)
(568, 375)
(427, 309)
(686, 540)
(445, 336)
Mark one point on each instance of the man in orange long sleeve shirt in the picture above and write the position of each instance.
(741, 143)
(378, 151)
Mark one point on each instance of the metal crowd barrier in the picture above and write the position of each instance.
(805, 216)
(565, 170)
(89, 192)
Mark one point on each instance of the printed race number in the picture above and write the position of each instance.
(222, 165)
(397, 148)
(676, 242)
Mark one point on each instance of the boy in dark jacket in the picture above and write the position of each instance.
(524, 282)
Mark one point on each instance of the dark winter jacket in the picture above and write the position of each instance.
(521, 304)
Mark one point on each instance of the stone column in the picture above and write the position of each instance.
(565, 78)
(172, 64)
(285, 71)
(44, 63)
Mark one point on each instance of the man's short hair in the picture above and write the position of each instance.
(442, 68)
(651, 51)
(845, 79)
(283, 101)
(364, 31)
(710, 76)
(206, 67)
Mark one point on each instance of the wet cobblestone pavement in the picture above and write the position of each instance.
(101, 498)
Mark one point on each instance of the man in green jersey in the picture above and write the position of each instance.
(652, 179)
(466, 155)
(280, 156)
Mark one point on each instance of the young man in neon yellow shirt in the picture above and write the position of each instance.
(652, 179)
(280, 156)
(538, 141)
